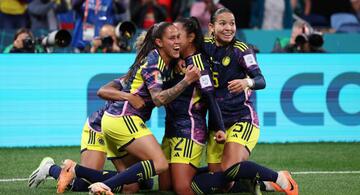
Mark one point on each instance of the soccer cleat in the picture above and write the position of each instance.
(276, 187)
(291, 189)
(99, 188)
(66, 176)
(41, 173)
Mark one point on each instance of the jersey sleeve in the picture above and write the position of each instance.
(247, 59)
(246, 56)
(205, 81)
(151, 73)
(207, 89)
(119, 82)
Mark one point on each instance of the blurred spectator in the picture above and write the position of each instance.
(300, 7)
(303, 40)
(345, 23)
(271, 14)
(202, 10)
(320, 11)
(66, 20)
(167, 4)
(24, 42)
(91, 15)
(122, 14)
(147, 13)
(107, 42)
(241, 10)
(13, 14)
(43, 13)
(180, 9)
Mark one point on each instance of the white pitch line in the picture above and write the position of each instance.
(13, 179)
(294, 173)
(17, 179)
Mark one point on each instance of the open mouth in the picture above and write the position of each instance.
(228, 35)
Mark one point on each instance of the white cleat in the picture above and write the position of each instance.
(41, 173)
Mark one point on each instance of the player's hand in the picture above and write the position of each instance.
(220, 137)
(192, 74)
(180, 67)
(238, 85)
(136, 101)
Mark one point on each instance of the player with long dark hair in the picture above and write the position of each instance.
(185, 124)
(236, 75)
(124, 126)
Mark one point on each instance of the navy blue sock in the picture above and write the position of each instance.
(140, 171)
(146, 184)
(245, 185)
(207, 183)
(54, 171)
(80, 185)
(202, 170)
(250, 170)
(92, 175)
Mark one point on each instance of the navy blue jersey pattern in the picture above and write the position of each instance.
(234, 61)
(186, 115)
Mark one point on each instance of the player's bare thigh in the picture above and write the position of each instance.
(147, 148)
(233, 153)
(93, 159)
(181, 177)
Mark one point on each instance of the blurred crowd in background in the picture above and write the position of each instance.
(29, 26)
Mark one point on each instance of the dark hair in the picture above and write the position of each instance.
(155, 32)
(21, 31)
(192, 25)
(212, 21)
(218, 12)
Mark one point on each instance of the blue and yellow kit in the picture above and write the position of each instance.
(186, 129)
(234, 61)
(92, 138)
(123, 123)
(186, 114)
(149, 75)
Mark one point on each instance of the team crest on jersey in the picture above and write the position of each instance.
(101, 141)
(226, 61)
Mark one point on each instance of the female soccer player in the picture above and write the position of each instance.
(236, 74)
(124, 126)
(186, 129)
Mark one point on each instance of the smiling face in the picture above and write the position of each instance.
(224, 28)
(169, 43)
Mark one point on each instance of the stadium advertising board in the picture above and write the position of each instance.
(45, 99)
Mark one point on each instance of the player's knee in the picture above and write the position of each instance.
(228, 164)
(225, 166)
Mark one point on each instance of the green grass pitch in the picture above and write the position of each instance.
(299, 158)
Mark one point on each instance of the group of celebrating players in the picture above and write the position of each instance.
(176, 67)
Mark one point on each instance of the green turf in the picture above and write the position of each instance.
(20, 162)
